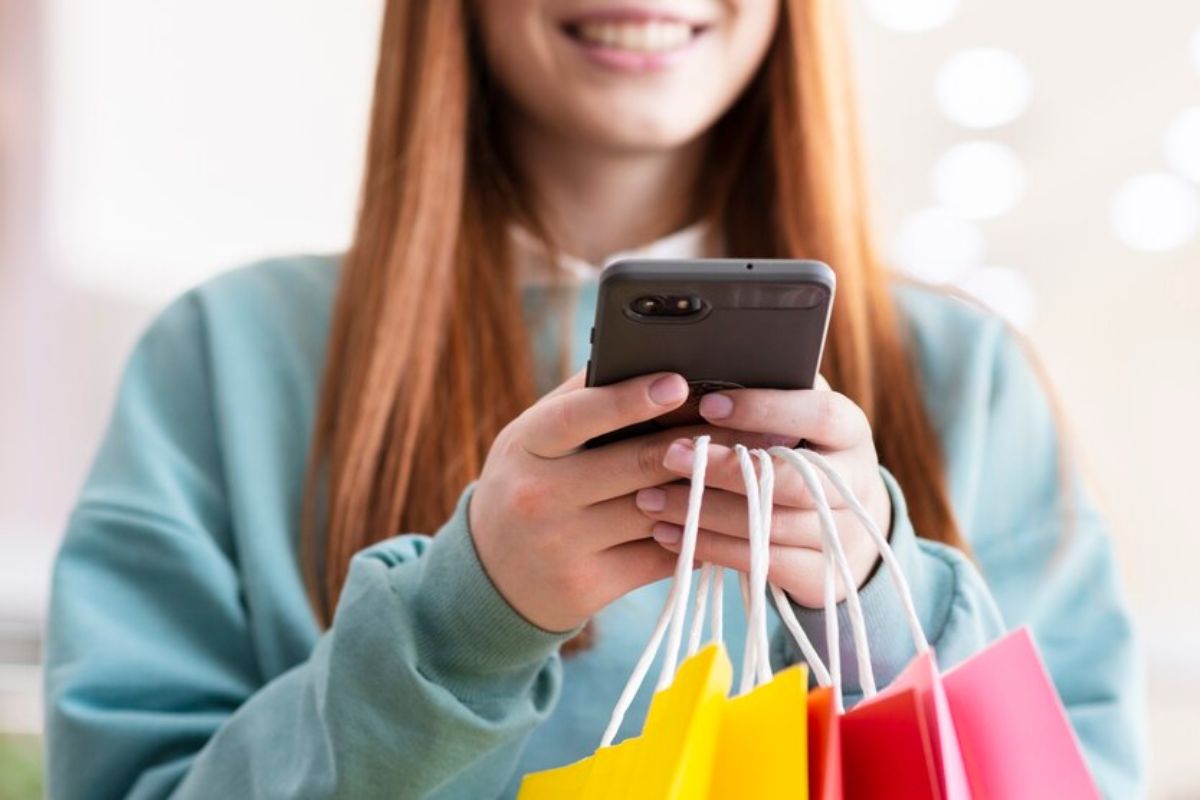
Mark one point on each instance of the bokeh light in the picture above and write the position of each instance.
(979, 180)
(1005, 291)
(984, 87)
(911, 15)
(1183, 144)
(938, 246)
(1156, 212)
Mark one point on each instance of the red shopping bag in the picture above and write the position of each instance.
(902, 741)
(1016, 740)
(887, 751)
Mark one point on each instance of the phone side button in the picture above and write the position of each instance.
(587, 381)
(592, 336)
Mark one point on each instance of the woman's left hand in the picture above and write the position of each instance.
(830, 423)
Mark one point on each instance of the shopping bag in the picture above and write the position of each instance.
(886, 750)
(992, 728)
(762, 749)
(1015, 736)
(824, 746)
(672, 758)
(899, 742)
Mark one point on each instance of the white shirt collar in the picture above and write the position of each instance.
(690, 242)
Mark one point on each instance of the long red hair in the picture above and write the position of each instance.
(428, 354)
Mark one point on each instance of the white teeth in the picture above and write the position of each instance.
(652, 36)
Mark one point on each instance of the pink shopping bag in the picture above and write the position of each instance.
(1016, 740)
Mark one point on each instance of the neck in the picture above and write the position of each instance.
(597, 202)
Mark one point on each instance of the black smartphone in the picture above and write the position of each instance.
(721, 323)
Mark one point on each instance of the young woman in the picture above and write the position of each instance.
(334, 546)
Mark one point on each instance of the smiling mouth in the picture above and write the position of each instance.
(632, 34)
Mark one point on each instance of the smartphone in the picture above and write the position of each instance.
(721, 323)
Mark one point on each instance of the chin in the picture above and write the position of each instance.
(642, 126)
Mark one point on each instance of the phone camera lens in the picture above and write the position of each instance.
(648, 305)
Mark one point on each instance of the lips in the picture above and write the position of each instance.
(633, 31)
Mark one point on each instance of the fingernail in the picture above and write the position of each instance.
(651, 499)
(716, 406)
(679, 457)
(782, 441)
(669, 390)
(666, 534)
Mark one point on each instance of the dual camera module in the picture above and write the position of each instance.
(666, 305)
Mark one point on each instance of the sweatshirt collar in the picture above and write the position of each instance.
(530, 258)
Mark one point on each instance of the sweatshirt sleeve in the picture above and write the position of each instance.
(1041, 557)
(426, 684)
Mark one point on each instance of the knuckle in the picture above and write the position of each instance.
(562, 416)
(649, 456)
(570, 578)
(827, 415)
(529, 496)
(630, 403)
(783, 523)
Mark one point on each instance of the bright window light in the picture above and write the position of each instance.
(188, 138)
(1156, 212)
(983, 88)
(938, 246)
(911, 15)
(1183, 144)
(979, 180)
(1005, 291)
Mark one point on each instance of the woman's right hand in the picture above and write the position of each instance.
(555, 525)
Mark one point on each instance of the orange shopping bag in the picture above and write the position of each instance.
(824, 746)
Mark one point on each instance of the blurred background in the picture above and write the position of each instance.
(1044, 156)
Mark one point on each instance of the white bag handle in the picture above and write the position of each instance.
(674, 609)
(804, 461)
(756, 662)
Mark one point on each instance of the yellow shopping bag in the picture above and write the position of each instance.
(671, 760)
(762, 750)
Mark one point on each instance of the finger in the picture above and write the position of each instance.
(725, 472)
(614, 522)
(788, 568)
(623, 467)
(576, 381)
(726, 513)
(636, 564)
(828, 419)
(561, 424)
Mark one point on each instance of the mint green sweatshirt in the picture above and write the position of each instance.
(183, 659)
